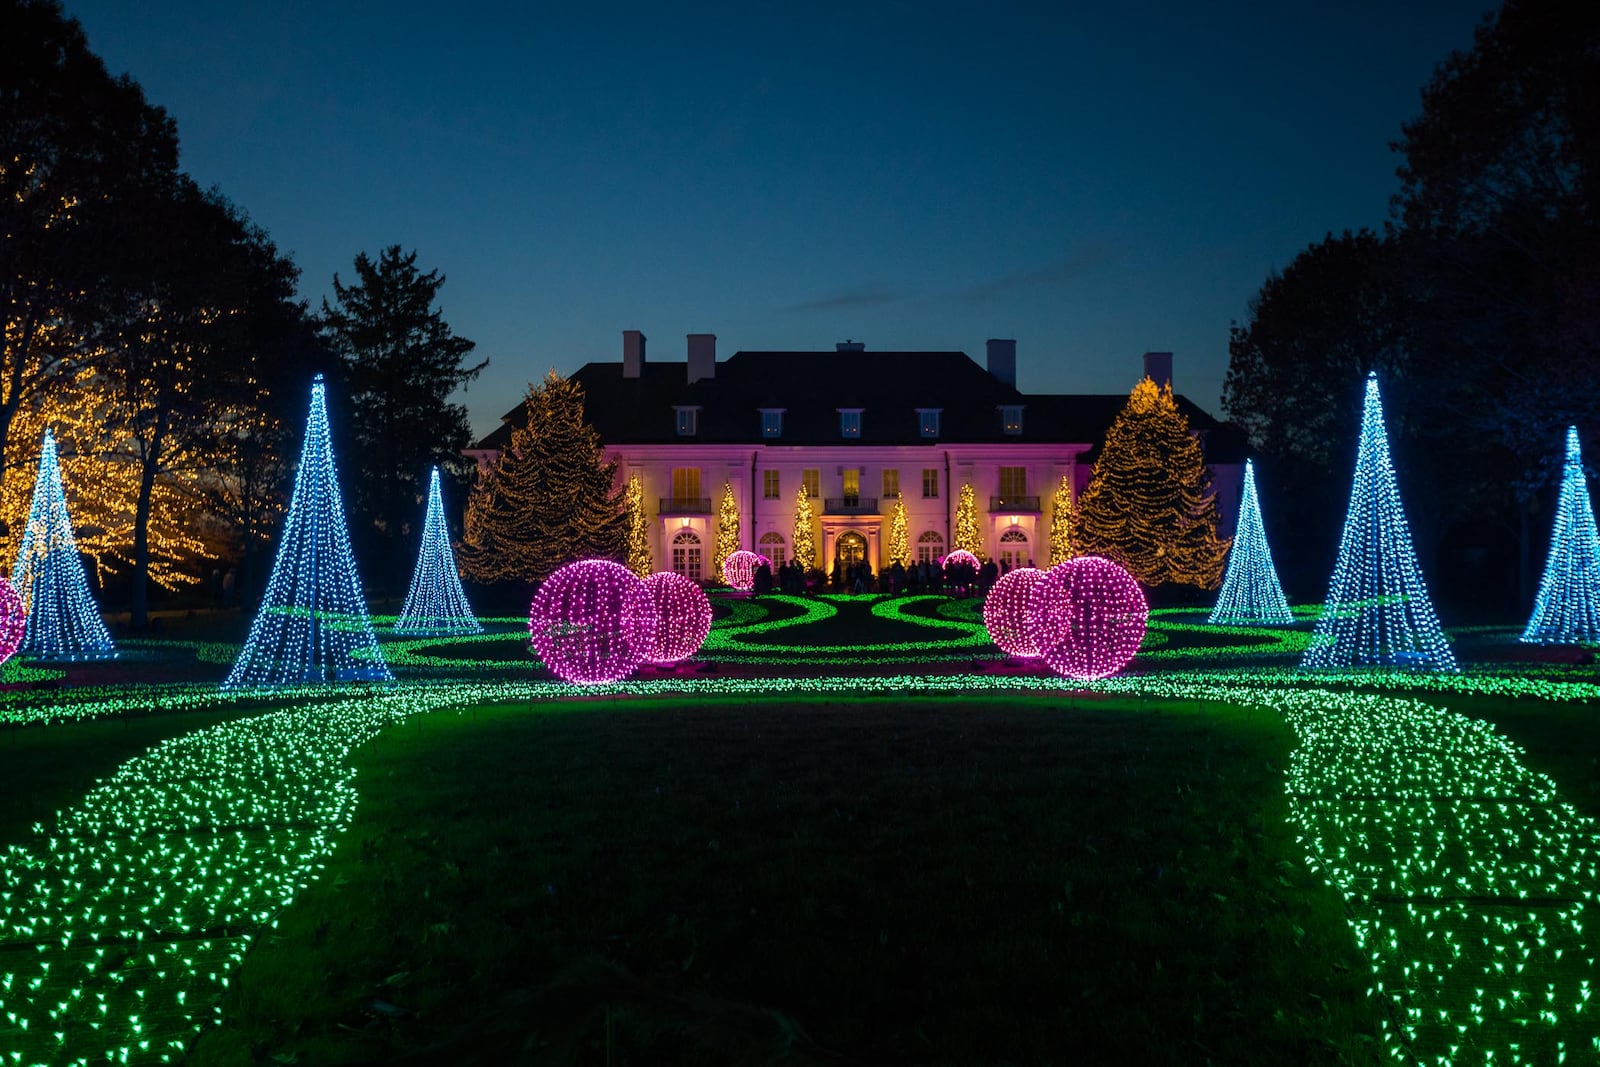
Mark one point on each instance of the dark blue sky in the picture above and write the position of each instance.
(1093, 182)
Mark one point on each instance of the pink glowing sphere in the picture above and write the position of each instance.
(593, 621)
(961, 555)
(13, 621)
(1005, 613)
(1087, 617)
(683, 617)
(739, 569)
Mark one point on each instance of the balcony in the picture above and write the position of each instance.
(850, 505)
(685, 505)
(1013, 503)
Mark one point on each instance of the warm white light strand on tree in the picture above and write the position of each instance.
(436, 603)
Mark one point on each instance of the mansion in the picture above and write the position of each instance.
(860, 430)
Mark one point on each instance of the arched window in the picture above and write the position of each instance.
(1014, 549)
(686, 554)
(772, 546)
(930, 547)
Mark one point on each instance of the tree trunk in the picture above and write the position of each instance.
(140, 615)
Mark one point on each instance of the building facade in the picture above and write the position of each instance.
(860, 432)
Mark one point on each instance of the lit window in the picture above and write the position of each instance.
(930, 482)
(772, 422)
(891, 484)
(769, 485)
(1011, 419)
(928, 421)
(686, 554)
(849, 422)
(688, 420)
(852, 488)
(772, 546)
(813, 480)
(930, 547)
(1013, 484)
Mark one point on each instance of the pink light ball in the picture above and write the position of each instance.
(1087, 616)
(683, 617)
(13, 621)
(739, 569)
(961, 555)
(593, 621)
(1005, 613)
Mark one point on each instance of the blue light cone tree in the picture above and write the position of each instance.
(1568, 608)
(313, 624)
(1377, 611)
(436, 603)
(63, 619)
(1251, 594)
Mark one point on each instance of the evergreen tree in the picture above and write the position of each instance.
(727, 530)
(899, 535)
(805, 538)
(967, 534)
(549, 499)
(401, 363)
(1149, 505)
(639, 561)
(1061, 520)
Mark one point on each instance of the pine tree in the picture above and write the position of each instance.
(549, 499)
(1568, 608)
(1061, 520)
(1377, 611)
(639, 560)
(899, 536)
(1251, 594)
(727, 530)
(967, 535)
(436, 603)
(1149, 505)
(805, 539)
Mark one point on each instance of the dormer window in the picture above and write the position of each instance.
(850, 422)
(688, 420)
(1011, 419)
(928, 421)
(772, 422)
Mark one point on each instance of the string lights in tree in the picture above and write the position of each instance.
(313, 624)
(639, 560)
(13, 621)
(1061, 520)
(1377, 611)
(593, 621)
(967, 535)
(1005, 612)
(727, 529)
(805, 538)
(899, 535)
(1251, 595)
(739, 569)
(436, 603)
(1568, 608)
(683, 617)
(1087, 617)
(63, 621)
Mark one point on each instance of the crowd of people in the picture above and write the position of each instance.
(857, 578)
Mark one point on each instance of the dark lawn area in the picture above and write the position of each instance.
(1561, 739)
(939, 880)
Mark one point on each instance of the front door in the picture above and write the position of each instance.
(852, 548)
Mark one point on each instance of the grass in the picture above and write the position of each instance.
(958, 880)
(1561, 738)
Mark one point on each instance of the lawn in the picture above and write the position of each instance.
(1016, 879)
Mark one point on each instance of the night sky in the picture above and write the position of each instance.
(1094, 183)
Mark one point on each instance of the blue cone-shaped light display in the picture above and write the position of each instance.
(1568, 609)
(436, 604)
(1251, 594)
(313, 624)
(1377, 611)
(63, 620)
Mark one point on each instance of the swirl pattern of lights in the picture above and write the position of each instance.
(683, 617)
(593, 621)
(1087, 617)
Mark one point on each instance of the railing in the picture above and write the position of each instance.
(850, 505)
(1014, 503)
(685, 505)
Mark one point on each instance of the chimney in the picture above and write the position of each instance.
(632, 353)
(702, 356)
(848, 345)
(1158, 367)
(1003, 361)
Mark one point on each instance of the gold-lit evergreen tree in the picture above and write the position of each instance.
(967, 533)
(639, 561)
(805, 541)
(899, 541)
(549, 499)
(1150, 505)
(727, 530)
(1061, 522)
